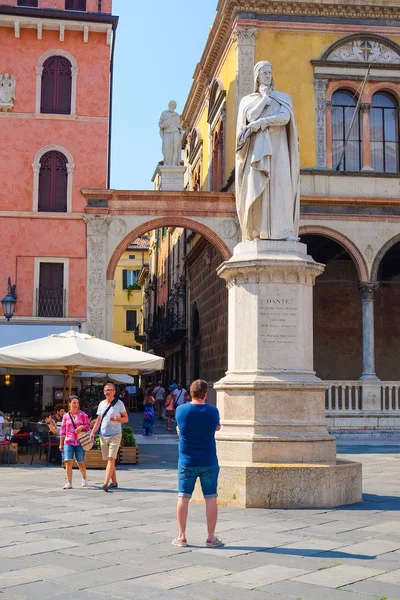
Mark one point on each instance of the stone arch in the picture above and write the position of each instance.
(167, 221)
(382, 86)
(39, 71)
(358, 259)
(342, 84)
(381, 254)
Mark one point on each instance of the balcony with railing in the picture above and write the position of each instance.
(50, 303)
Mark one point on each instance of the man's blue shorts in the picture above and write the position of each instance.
(187, 477)
(70, 450)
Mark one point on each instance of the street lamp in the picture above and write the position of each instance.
(9, 301)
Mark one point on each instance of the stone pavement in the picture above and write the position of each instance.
(89, 545)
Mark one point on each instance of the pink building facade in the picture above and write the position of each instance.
(55, 89)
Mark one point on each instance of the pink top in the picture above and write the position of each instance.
(68, 430)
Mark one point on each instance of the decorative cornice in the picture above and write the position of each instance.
(230, 11)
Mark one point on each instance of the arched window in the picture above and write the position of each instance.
(56, 86)
(53, 183)
(343, 108)
(217, 158)
(384, 119)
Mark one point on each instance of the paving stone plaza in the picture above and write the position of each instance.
(86, 544)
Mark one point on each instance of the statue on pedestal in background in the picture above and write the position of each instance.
(267, 162)
(171, 133)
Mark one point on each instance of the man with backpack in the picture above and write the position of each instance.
(111, 412)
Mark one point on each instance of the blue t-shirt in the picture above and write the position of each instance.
(197, 424)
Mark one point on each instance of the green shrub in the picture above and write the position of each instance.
(128, 439)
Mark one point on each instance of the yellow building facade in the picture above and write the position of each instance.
(340, 63)
(128, 294)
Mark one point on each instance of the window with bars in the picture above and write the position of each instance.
(50, 295)
(56, 86)
(384, 124)
(75, 5)
(53, 183)
(131, 318)
(32, 3)
(343, 108)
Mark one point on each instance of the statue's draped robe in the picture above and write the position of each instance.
(267, 170)
(170, 131)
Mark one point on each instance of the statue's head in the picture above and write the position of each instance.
(172, 106)
(263, 75)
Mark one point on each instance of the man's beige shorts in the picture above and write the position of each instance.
(110, 446)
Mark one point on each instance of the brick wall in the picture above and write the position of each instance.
(211, 296)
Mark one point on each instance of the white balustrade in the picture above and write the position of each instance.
(346, 397)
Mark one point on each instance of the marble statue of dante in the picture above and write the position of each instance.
(171, 133)
(267, 162)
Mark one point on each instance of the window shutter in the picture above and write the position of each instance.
(44, 204)
(53, 183)
(48, 85)
(64, 86)
(60, 177)
(56, 86)
(124, 279)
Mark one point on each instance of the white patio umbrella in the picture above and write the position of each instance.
(72, 351)
(118, 377)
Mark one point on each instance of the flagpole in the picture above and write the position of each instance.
(354, 117)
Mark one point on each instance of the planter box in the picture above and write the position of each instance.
(128, 455)
(13, 453)
(93, 460)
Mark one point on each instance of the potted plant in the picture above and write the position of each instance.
(128, 453)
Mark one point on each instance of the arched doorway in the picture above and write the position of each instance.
(180, 274)
(386, 272)
(337, 311)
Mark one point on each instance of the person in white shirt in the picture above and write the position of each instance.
(159, 396)
(179, 395)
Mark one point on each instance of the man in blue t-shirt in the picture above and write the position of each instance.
(197, 423)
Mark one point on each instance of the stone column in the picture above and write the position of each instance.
(321, 122)
(367, 289)
(366, 137)
(246, 44)
(96, 240)
(274, 447)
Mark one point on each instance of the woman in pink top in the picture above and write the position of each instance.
(169, 410)
(74, 421)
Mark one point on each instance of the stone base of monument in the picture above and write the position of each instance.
(274, 447)
(269, 485)
(169, 179)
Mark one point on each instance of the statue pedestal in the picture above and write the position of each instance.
(169, 179)
(274, 447)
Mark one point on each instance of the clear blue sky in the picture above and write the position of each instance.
(158, 45)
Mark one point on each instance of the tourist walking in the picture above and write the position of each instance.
(179, 395)
(197, 423)
(169, 410)
(159, 396)
(111, 412)
(148, 414)
(73, 422)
